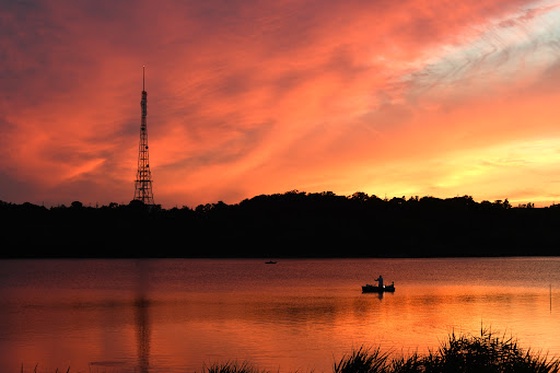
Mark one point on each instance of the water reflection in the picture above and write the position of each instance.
(143, 332)
(176, 316)
(142, 317)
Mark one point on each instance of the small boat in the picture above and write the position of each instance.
(379, 288)
(369, 288)
(270, 262)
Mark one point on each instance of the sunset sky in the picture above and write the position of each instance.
(249, 97)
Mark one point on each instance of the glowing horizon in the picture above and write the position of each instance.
(248, 98)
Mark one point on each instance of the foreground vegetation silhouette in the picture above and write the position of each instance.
(485, 353)
(460, 354)
(293, 224)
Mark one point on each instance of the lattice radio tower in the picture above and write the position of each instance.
(143, 184)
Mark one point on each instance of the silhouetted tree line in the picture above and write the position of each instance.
(293, 224)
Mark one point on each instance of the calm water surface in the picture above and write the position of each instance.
(180, 315)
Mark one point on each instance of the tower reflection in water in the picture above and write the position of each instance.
(142, 317)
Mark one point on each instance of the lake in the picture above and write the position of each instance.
(182, 315)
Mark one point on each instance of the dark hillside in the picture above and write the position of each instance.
(294, 224)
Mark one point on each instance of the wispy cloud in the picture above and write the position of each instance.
(252, 97)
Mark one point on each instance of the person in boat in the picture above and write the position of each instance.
(380, 281)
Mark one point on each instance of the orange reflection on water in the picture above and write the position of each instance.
(146, 323)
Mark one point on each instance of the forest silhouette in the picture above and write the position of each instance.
(294, 224)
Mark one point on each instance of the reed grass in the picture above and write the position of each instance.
(484, 353)
(232, 367)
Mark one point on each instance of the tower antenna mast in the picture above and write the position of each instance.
(143, 183)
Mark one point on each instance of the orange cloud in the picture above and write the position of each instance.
(389, 98)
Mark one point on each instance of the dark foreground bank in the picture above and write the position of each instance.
(485, 353)
(294, 224)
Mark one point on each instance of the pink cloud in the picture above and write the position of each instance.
(246, 98)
